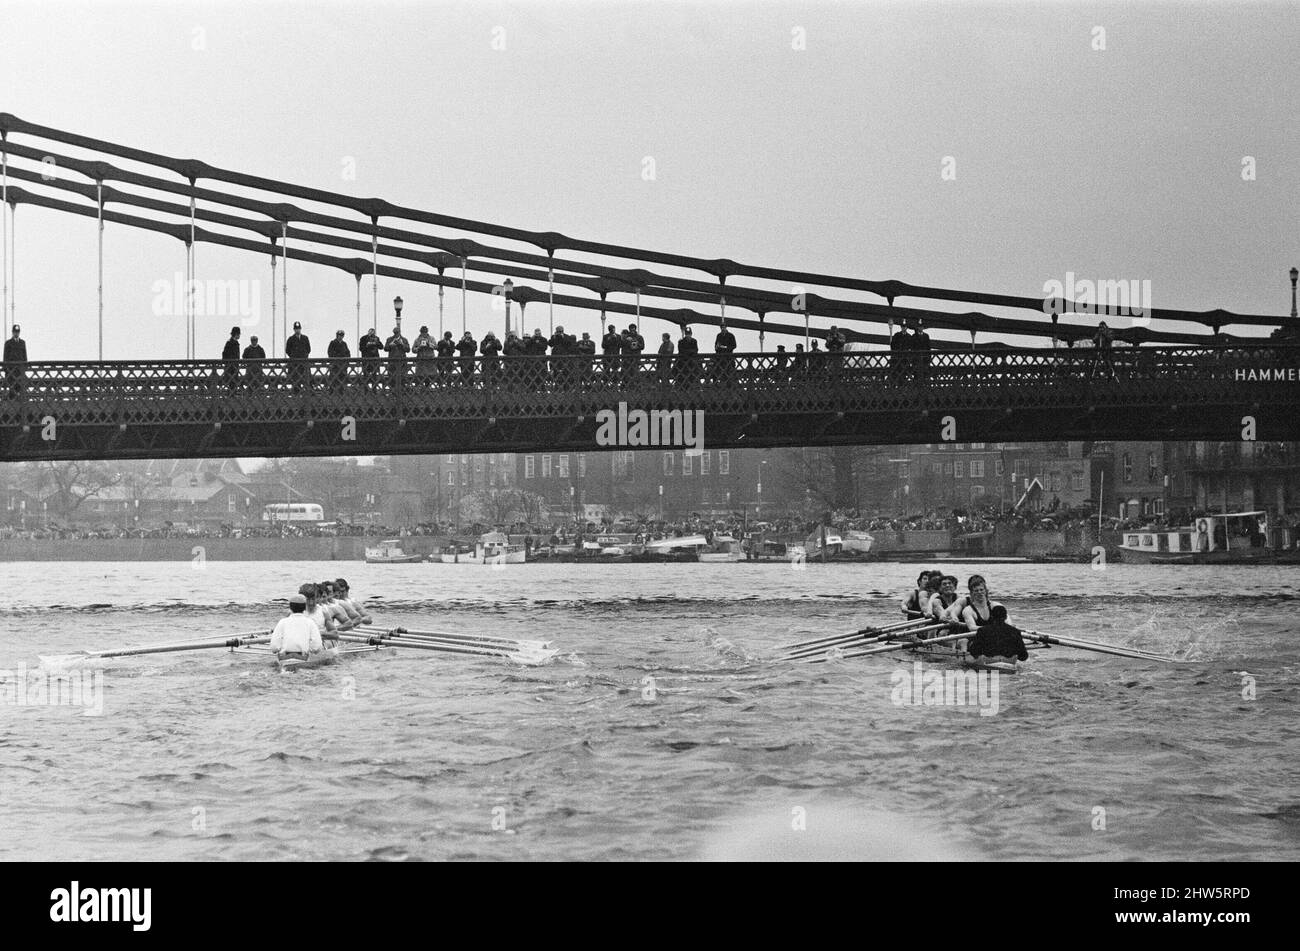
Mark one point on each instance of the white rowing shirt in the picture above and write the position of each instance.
(296, 634)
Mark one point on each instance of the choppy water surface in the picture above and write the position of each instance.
(415, 755)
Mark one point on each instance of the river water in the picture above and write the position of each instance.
(663, 731)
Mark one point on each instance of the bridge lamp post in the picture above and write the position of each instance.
(397, 308)
(1295, 275)
(509, 286)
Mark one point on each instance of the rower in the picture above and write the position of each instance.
(296, 635)
(315, 613)
(997, 641)
(914, 604)
(345, 595)
(337, 611)
(975, 609)
(941, 601)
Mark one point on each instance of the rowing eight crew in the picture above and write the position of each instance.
(935, 599)
(317, 613)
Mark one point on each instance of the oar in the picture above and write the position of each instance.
(486, 639)
(209, 644)
(528, 657)
(859, 642)
(400, 640)
(1094, 646)
(850, 635)
(868, 651)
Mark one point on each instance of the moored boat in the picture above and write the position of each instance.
(1232, 538)
(390, 552)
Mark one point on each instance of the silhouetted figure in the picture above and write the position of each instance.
(254, 354)
(467, 347)
(16, 361)
(370, 346)
(339, 354)
(230, 356)
(426, 352)
(724, 345)
(298, 348)
(446, 358)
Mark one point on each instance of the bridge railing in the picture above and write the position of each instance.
(551, 383)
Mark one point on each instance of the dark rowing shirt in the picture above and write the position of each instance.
(997, 639)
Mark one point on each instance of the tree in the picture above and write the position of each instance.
(74, 482)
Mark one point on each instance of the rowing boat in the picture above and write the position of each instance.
(330, 655)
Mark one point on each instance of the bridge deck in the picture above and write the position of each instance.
(134, 409)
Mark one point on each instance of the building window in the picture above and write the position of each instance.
(546, 467)
(724, 462)
(977, 445)
(582, 465)
(478, 464)
(1054, 482)
(688, 464)
(960, 469)
(1158, 507)
(1152, 472)
(976, 491)
(530, 467)
(464, 460)
(903, 470)
(977, 468)
(563, 466)
(464, 476)
(1076, 481)
(947, 468)
(451, 458)
(668, 463)
(936, 468)
(1128, 468)
(998, 468)
(451, 477)
(705, 460)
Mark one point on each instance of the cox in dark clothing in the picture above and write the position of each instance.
(254, 354)
(997, 638)
(15, 361)
(339, 355)
(230, 356)
(370, 346)
(298, 348)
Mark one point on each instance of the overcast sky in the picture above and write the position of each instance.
(1122, 163)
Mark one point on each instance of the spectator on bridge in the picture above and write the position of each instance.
(900, 353)
(799, 364)
(230, 354)
(920, 351)
(724, 345)
(253, 357)
(426, 349)
(298, 348)
(633, 345)
(446, 356)
(491, 350)
(514, 348)
(817, 360)
(1102, 340)
(15, 361)
(835, 342)
(536, 344)
(370, 346)
(782, 363)
(611, 345)
(562, 345)
(339, 355)
(586, 348)
(688, 349)
(664, 365)
(398, 347)
(467, 347)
